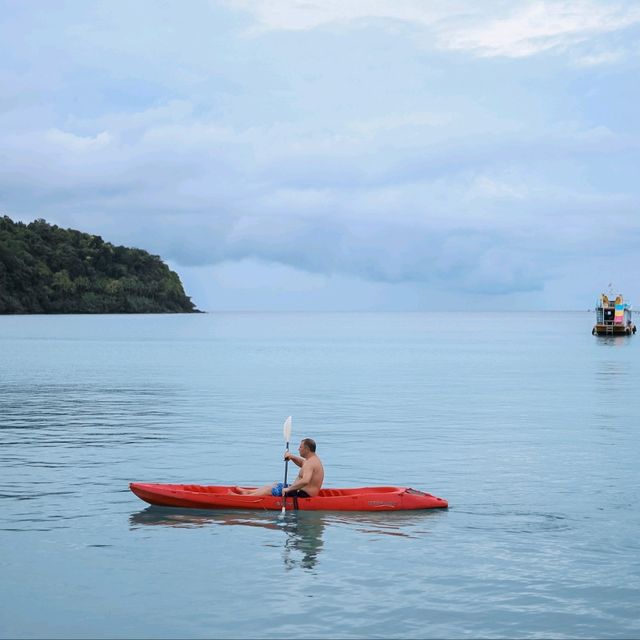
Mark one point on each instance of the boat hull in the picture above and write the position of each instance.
(190, 496)
(613, 330)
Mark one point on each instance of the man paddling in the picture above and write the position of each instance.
(309, 480)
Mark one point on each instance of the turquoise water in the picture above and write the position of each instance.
(526, 423)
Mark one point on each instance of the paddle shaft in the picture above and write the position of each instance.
(286, 468)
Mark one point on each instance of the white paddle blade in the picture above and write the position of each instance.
(287, 429)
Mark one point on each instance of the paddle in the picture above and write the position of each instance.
(287, 436)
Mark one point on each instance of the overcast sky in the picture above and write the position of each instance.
(336, 154)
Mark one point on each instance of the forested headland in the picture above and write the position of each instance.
(46, 269)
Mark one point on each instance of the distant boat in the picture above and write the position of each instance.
(613, 317)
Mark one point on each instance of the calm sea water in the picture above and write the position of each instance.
(526, 423)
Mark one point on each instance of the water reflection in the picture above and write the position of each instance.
(613, 374)
(304, 538)
(304, 530)
(613, 341)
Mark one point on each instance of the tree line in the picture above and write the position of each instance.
(46, 269)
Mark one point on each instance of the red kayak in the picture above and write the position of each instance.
(193, 496)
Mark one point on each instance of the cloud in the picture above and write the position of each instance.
(485, 186)
(76, 144)
(491, 29)
(601, 57)
(302, 15)
(540, 26)
(203, 193)
(330, 154)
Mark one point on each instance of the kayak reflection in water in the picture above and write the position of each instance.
(303, 531)
(309, 480)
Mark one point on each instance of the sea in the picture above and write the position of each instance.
(525, 422)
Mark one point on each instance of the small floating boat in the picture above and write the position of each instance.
(613, 317)
(193, 496)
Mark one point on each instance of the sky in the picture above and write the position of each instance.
(382, 155)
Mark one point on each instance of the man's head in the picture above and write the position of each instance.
(307, 447)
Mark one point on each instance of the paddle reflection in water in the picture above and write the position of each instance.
(304, 537)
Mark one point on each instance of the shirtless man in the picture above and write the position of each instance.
(309, 480)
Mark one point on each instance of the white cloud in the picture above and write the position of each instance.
(302, 15)
(354, 154)
(219, 194)
(489, 29)
(392, 122)
(488, 187)
(598, 58)
(71, 143)
(540, 26)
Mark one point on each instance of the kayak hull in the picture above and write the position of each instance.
(192, 496)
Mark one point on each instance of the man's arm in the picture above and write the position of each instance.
(295, 459)
(301, 481)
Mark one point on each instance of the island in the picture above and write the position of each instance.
(47, 269)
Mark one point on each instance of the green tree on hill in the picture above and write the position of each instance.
(46, 269)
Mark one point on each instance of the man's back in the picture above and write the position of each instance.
(313, 466)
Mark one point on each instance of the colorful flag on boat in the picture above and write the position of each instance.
(619, 317)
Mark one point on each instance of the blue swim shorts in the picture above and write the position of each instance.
(277, 490)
